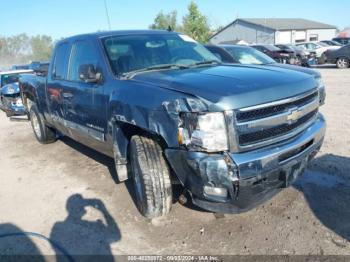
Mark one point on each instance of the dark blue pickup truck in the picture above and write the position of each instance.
(168, 111)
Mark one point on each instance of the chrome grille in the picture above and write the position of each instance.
(270, 123)
(274, 109)
(265, 134)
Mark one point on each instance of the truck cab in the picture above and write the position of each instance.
(168, 111)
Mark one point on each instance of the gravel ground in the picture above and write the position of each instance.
(67, 193)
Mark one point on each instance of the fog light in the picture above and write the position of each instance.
(216, 191)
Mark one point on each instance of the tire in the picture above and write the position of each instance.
(342, 63)
(43, 134)
(151, 176)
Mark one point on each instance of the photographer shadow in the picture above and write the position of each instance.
(80, 237)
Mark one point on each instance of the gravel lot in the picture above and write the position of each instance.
(67, 193)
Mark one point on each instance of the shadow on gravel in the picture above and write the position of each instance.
(14, 241)
(90, 238)
(327, 191)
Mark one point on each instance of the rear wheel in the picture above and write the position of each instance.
(151, 176)
(342, 63)
(43, 134)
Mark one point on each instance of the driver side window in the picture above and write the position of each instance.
(83, 53)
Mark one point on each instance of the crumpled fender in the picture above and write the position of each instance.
(150, 109)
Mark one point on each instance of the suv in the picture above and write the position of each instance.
(342, 40)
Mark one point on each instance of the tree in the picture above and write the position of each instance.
(196, 25)
(163, 21)
(41, 46)
(22, 49)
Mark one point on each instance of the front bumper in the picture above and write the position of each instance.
(250, 178)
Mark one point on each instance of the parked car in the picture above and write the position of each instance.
(279, 55)
(10, 97)
(342, 40)
(331, 43)
(319, 48)
(224, 55)
(303, 56)
(250, 56)
(162, 105)
(340, 57)
(11, 101)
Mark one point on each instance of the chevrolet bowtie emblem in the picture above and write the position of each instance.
(294, 115)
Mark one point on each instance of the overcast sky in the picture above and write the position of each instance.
(69, 17)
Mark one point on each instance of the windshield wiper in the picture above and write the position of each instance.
(131, 74)
(207, 62)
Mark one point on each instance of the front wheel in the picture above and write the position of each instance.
(342, 63)
(43, 134)
(151, 176)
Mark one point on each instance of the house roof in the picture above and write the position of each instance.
(288, 23)
(279, 24)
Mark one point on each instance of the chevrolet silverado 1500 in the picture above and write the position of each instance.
(168, 111)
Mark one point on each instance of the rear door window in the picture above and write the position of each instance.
(59, 69)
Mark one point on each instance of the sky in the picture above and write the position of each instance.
(63, 18)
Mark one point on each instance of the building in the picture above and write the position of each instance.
(274, 31)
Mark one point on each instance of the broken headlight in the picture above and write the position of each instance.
(203, 131)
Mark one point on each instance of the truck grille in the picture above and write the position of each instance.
(274, 122)
(275, 109)
(263, 135)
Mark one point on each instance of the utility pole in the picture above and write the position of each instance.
(107, 15)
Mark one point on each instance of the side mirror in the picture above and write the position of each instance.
(88, 74)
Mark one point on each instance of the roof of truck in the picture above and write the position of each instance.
(123, 32)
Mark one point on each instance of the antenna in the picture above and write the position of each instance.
(107, 15)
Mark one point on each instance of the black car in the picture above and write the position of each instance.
(342, 40)
(303, 56)
(340, 57)
(279, 55)
(331, 42)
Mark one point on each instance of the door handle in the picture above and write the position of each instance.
(67, 95)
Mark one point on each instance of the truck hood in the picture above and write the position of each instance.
(301, 69)
(228, 87)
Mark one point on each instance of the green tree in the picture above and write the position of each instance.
(163, 21)
(196, 25)
(41, 46)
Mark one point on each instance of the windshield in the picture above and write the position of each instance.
(248, 55)
(9, 79)
(137, 52)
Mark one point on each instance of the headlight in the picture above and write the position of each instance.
(203, 131)
(321, 90)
